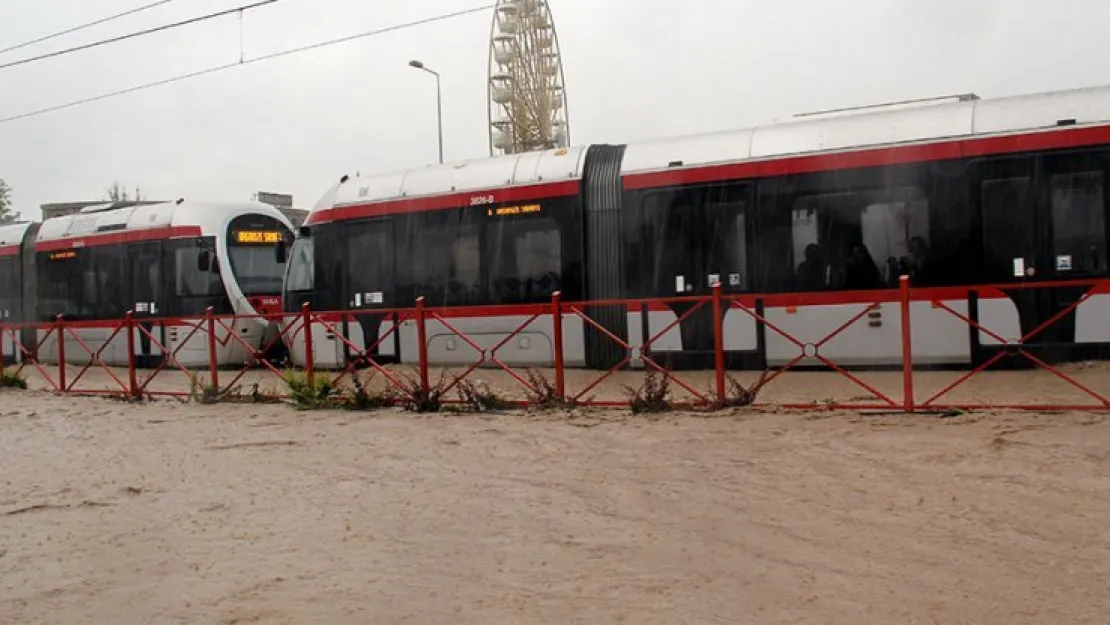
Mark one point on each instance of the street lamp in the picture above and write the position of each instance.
(439, 103)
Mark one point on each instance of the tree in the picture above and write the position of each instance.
(7, 215)
(118, 193)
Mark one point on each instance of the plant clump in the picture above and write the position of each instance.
(737, 395)
(364, 399)
(651, 397)
(416, 399)
(203, 391)
(480, 398)
(543, 394)
(307, 395)
(11, 378)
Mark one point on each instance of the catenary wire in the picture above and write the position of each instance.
(139, 33)
(84, 26)
(258, 59)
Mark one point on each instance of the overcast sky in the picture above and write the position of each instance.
(635, 69)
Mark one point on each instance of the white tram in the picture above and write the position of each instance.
(809, 220)
(163, 261)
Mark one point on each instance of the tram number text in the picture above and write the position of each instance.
(481, 200)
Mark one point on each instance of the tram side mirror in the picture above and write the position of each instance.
(204, 260)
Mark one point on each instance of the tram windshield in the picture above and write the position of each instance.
(257, 268)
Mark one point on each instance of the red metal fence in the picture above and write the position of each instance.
(188, 355)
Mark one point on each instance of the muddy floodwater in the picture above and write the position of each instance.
(178, 513)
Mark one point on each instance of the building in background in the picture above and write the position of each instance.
(284, 203)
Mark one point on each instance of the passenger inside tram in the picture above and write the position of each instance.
(812, 273)
(852, 266)
(860, 270)
(919, 265)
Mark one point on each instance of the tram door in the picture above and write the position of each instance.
(699, 240)
(145, 260)
(1044, 220)
(9, 305)
(369, 284)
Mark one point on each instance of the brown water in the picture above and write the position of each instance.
(174, 513)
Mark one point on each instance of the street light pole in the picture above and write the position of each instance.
(439, 103)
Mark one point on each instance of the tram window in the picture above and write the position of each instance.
(302, 265)
(92, 277)
(861, 239)
(370, 258)
(189, 280)
(657, 242)
(9, 297)
(255, 268)
(103, 279)
(440, 259)
(466, 267)
(1004, 236)
(687, 232)
(738, 262)
(1079, 223)
(59, 286)
(454, 276)
(526, 260)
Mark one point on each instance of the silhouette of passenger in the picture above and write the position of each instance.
(860, 270)
(892, 265)
(919, 251)
(811, 272)
(918, 260)
(896, 268)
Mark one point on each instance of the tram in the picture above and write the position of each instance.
(160, 261)
(806, 219)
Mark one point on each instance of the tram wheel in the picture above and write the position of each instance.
(277, 355)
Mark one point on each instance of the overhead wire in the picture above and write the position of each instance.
(258, 59)
(84, 26)
(139, 33)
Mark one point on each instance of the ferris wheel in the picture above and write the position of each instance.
(527, 98)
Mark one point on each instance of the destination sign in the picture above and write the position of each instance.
(67, 254)
(513, 210)
(257, 236)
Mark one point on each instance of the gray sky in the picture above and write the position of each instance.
(635, 69)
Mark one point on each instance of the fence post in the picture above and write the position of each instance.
(132, 374)
(422, 345)
(718, 344)
(907, 345)
(213, 368)
(59, 327)
(309, 351)
(557, 331)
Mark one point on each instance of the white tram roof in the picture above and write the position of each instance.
(898, 123)
(12, 234)
(459, 177)
(209, 216)
(959, 117)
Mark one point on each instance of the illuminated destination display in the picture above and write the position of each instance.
(67, 254)
(257, 236)
(513, 210)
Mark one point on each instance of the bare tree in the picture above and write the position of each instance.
(7, 215)
(118, 193)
